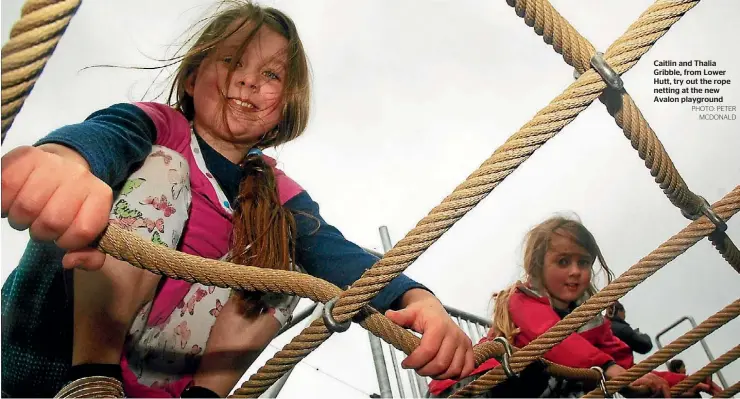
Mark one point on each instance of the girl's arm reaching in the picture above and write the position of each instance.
(445, 350)
(324, 252)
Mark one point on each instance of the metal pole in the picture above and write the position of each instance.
(423, 385)
(385, 239)
(703, 344)
(481, 330)
(381, 370)
(275, 389)
(471, 330)
(468, 316)
(399, 381)
(413, 384)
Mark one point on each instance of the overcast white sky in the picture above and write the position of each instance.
(410, 98)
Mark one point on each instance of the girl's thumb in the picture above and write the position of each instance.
(401, 317)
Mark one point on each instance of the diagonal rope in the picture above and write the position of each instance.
(706, 371)
(33, 39)
(729, 392)
(157, 259)
(709, 325)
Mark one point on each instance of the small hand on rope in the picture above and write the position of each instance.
(445, 350)
(658, 386)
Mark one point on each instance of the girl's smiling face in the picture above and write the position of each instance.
(237, 111)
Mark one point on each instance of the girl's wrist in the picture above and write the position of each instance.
(65, 152)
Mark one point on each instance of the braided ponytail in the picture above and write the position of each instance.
(264, 231)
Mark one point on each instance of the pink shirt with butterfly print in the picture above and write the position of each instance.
(181, 305)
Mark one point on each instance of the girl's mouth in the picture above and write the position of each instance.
(243, 104)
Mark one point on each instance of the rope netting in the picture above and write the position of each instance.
(35, 36)
(706, 371)
(679, 345)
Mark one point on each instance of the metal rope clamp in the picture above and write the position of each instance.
(610, 76)
(331, 324)
(707, 211)
(505, 361)
(602, 381)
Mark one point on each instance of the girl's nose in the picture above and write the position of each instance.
(574, 269)
(246, 80)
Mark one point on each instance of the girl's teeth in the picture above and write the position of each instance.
(243, 103)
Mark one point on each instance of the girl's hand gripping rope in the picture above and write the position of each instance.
(50, 191)
(445, 350)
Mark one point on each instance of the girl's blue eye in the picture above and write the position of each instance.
(563, 261)
(271, 75)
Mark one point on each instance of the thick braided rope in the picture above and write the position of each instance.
(729, 392)
(711, 368)
(556, 31)
(158, 259)
(708, 326)
(577, 52)
(650, 149)
(545, 125)
(92, 387)
(571, 373)
(33, 39)
(669, 250)
(487, 350)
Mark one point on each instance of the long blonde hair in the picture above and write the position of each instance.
(264, 231)
(537, 243)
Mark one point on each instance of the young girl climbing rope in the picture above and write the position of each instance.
(188, 175)
(559, 258)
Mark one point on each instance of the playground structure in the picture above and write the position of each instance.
(34, 37)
